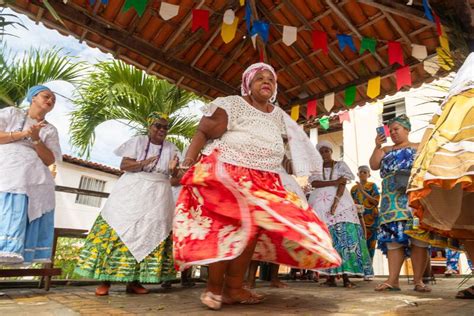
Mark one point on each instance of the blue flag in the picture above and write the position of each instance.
(261, 28)
(346, 40)
(428, 14)
(248, 15)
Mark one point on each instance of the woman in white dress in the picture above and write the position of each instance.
(131, 239)
(334, 205)
(28, 145)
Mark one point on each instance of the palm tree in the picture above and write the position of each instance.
(7, 19)
(117, 91)
(37, 66)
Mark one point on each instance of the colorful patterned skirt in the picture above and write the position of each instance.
(105, 257)
(350, 243)
(22, 241)
(442, 182)
(222, 207)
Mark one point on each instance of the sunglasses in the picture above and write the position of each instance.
(160, 126)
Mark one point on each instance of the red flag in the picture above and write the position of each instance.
(395, 53)
(311, 110)
(344, 116)
(262, 58)
(403, 75)
(320, 40)
(200, 19)
(438, 24)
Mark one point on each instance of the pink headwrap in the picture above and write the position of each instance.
(250, 72)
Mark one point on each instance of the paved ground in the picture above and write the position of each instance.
(306, 298)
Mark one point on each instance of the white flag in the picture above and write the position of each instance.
(289, 34)
(329, 101)
(419, 51)
(431, 65)
(254, 41)
(229, 17)
(313, 136)
(168, 10)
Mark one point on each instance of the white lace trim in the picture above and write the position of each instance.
(253, 138)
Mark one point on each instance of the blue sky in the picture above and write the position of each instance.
(109, 135)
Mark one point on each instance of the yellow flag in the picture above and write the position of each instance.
(444, 43)
(295, 112)
(445, 60)
(242, 2)
(373, 87)
(228, 30)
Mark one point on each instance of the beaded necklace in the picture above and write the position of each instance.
(332, 170)
(159, 154)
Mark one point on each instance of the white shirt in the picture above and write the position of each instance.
(21, 169)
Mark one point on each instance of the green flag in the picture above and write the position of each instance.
(324, 122)
(139, 5)
(350, 95)
(367, 43)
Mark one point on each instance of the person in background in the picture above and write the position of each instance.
(333, 203)
(131, 239)
(366, 194)
(28, 145)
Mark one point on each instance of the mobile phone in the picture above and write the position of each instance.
(382, 131)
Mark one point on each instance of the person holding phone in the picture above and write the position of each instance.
(131, 239)
(395, 217)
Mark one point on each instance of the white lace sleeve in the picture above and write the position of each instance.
(51, 141)
(6, 115)
(343, 170)
(221, 102)
(129, 148)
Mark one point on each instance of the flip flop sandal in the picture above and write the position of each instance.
(253, 299)
(211, 300)
(422, 288)
(382, 287)
(466, 294)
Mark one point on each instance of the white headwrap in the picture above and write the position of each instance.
(325, 143)
(364, 168)
(250, 72)
(464, 79)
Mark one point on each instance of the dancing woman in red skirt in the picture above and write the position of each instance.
(233, 206)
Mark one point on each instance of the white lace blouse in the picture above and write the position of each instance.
(21, 169)
(254, 139)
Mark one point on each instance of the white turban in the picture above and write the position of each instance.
(325, 143)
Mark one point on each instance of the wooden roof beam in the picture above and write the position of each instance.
(39, 15)
(138, 46)
(351, 26)
(399, 9)
(397, 27)
(300, 17)
(94, 12)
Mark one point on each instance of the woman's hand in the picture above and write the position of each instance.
(341, 180)
(334, 206)
(173, 165)
(33, 131)
(148, 161)
(379, 140)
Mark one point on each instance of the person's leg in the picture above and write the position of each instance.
(136, 288)
(275, 281)
(419, 257)
(253, 267)
(215, 280)
(330, 281)
(186, 278)
(395, 256)
(347, 283)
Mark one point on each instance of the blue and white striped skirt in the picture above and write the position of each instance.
(22, 241)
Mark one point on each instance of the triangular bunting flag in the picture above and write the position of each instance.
(345, 40)
(403, 76)
(324, 122)
(313, 136)
(311, 110)
(200, 19)
(373, 87)
(289, 34)
(329, 101)
(320, 41)
(444, 43)
(242, 2)
(431, 65)
(344, 116)
(445, 60)
(349, 95)
(295, 112)
(438, 25)
(138, 5)
(395, 53)
(228, 30)
(168, 10)
(262, 29)
(367, 44)
(419, 51)
(248, 15)
(427, 8)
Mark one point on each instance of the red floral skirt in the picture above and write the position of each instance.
(222, 207)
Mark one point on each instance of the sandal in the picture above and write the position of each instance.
(328, 284)
(386, 287)
(253, 299)
(103, 289)
(136, 288)
(350, 285)
(211, 300)
(422, 288)
(466, 294)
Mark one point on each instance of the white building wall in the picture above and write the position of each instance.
(68, 213)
